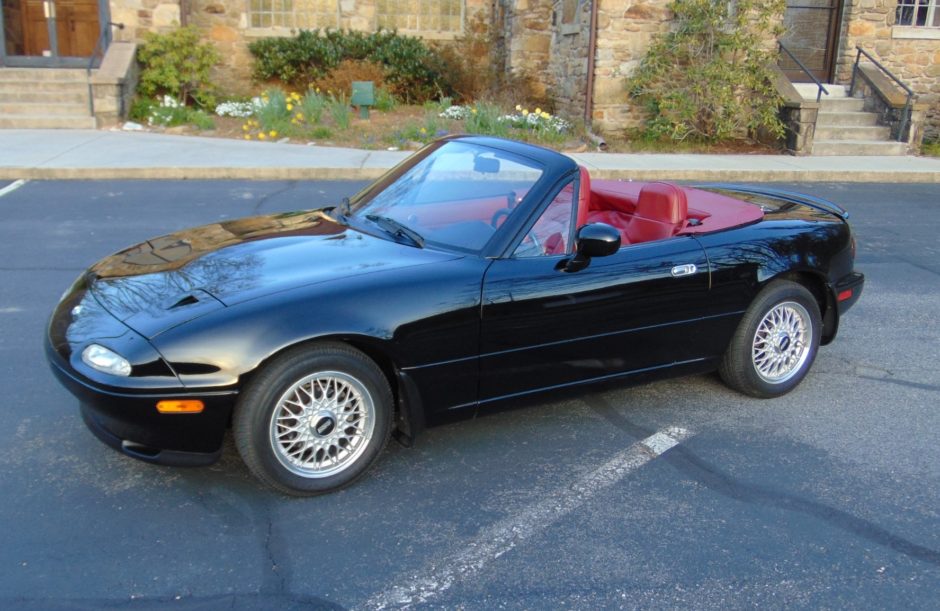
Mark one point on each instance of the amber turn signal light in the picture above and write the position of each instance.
(180, 406)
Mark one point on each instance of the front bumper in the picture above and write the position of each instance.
(130, 423)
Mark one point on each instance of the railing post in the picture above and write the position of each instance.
(905, 118)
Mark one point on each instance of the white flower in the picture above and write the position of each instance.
(236, 109)
(456, 112)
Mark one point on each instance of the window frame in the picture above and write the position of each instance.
(419, 29)
(251, 14)
(931, 19)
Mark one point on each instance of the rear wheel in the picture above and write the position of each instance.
(314, 419)
(776, 342)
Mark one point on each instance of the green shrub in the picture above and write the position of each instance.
(413, 71)
(708, 78)
(177, 64)
(384, 100)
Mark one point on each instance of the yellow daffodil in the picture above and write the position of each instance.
(423, 131)
(473, 111)
(273, 133)
(519, 107)
(299, 116)
(545, 115)
(245, 127)
(538, 111)
(525, 113)
(261, 136)
(247, 136)
(290, 106)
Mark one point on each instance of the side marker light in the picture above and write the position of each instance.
(180, 406)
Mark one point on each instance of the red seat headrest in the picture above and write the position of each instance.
(663, 202)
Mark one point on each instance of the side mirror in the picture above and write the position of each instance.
(597, 240)
(594, 240)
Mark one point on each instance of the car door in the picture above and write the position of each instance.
(637, 310)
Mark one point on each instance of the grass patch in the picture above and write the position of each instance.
(931, 149)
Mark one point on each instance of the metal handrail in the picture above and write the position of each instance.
(820, 89)
(105, 34)
(910, 92)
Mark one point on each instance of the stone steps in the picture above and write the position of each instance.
(32, 98)
(846, 118)
(878, 133)
(844, 128)
(33, 75)
(858, 148)
(842, 105)
(18, 96)
(46, 122)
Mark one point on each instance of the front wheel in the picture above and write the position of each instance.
(314, 419)
(775, 343)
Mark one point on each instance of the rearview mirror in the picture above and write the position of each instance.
(485, 165)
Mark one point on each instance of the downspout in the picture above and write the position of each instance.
(589, 93)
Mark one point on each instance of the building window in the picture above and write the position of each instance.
(295, 14)
(420, 15)
(922, 13)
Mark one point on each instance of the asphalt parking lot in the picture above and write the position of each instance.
(673, 494)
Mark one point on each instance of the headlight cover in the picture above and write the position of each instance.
(107, 361)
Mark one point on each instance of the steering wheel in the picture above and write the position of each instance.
(497, 219)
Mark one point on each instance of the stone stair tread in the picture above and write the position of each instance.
(64, 75)
(46, 122)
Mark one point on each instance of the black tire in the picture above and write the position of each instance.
(764, 369)
(292, 454)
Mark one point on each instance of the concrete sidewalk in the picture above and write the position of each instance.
(90, 154)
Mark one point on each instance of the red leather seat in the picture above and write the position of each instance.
(661, 210)
(618, 220)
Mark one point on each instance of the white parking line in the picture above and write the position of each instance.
(496, 540)
(13, 186)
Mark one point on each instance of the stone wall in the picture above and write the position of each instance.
(140, 16)
(625, 31)
(911, 53)
(540, 43)
(527, 31)
(568, 64)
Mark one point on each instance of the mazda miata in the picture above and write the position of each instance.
(476, 272)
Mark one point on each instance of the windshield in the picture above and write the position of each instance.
(455, 197)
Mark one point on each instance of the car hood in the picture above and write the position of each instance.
(167, 281)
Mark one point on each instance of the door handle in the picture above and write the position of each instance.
(684, 270)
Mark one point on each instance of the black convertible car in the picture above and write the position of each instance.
(474, 273)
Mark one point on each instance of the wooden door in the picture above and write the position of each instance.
(35, 29)
(812, 32)
(77, 27)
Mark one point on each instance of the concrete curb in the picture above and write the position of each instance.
(323, 173)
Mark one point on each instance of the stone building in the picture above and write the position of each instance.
(580, 51)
